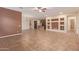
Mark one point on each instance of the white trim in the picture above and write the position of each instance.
(10, 35)
(70, 18)
(59, 16)
(56, 30)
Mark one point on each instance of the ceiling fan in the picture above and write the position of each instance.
(40, 9)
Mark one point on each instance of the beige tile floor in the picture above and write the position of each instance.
(40, 40)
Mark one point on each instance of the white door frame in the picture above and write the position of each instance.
(70, 18)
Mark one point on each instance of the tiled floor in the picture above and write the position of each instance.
(40, 40)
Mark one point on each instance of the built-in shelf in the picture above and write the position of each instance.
(55, 23)
(61, 23)
(48, 20)
(62, 19)
(54, 19)
(61, 27)
(48, 27)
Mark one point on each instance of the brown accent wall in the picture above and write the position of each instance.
(10, 22)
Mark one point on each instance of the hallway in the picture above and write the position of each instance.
(40, 40)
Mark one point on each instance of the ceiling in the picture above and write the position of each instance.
(51, 11)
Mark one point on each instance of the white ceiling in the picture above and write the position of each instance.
(51, 11)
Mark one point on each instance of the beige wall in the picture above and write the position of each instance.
(77, 23)
(25, 22)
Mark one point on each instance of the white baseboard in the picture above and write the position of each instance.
(25, 30)
(56, 30)
(10, 35)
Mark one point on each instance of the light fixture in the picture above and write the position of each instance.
(40, 9)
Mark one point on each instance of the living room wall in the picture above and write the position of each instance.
(10, 22)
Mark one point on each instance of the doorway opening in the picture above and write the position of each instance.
(43, 23)
(35, 24)
(71, 24)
